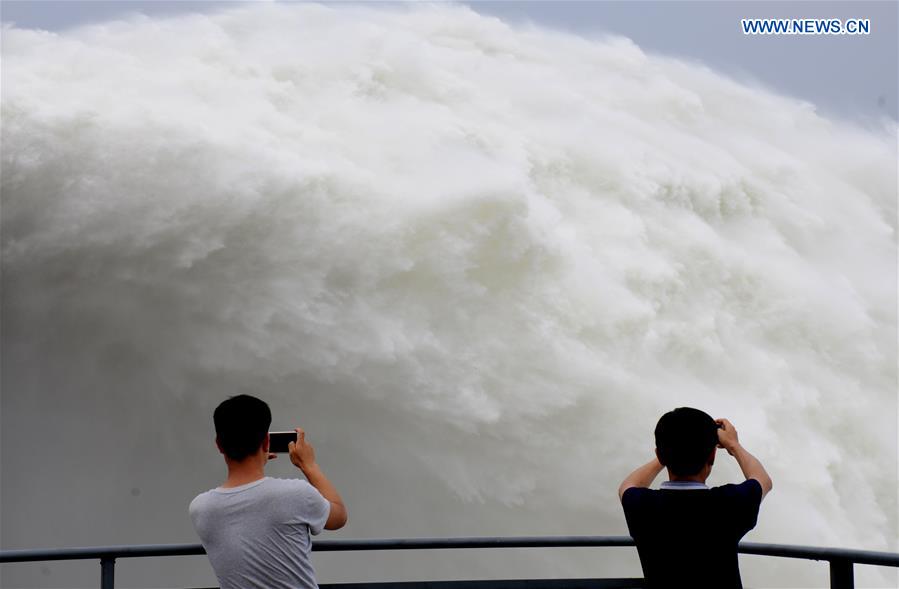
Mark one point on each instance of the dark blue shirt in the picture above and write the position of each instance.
(688, 538)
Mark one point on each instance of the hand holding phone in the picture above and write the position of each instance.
(279, 441)
(727, 436)
(302, 454)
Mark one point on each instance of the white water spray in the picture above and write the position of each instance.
(477, 262)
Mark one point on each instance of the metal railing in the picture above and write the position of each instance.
(841, 561)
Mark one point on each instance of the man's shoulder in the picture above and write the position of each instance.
(200, 503)
(267, 490)
(297, 489)
(750, 488)
(286, 485)
(639, 492)
(633, 497)
(201, 498)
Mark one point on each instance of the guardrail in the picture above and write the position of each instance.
(841, 561)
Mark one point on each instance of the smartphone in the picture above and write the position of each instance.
(278, 441)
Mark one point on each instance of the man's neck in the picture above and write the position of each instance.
(244, 472)
(697, 478)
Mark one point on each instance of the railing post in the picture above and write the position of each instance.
(107, 573)
(841, 574)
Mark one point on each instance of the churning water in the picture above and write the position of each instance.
(475, 261)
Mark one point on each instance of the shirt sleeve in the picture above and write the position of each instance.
(630, 497)
(632, 501)
(748, 498)
(317, 509)
(195, 511)
(308, 506)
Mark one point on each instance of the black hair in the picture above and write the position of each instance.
(685, 438)
(241, 424)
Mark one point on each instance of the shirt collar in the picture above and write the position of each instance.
(682, 485)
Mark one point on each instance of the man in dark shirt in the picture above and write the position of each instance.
(687, 533)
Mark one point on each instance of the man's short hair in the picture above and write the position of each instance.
(241, 424)
(685, 439)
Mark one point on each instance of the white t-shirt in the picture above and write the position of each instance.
(257, 535)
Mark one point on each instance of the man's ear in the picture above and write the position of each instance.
(659, 457)
(218, 445)
(266, 443)
(711, 459)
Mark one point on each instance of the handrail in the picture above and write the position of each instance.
(841, 559)
(323, 546)
(868, 557)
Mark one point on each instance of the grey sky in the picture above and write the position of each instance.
(847, 76)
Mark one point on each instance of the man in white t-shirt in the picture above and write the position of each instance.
(256, 529)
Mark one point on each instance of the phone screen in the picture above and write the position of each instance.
(278, 441)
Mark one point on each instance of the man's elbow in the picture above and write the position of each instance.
(338, 517)
(335, 525)
(765, 483)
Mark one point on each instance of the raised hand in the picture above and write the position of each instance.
(302, 454)
(727, 436)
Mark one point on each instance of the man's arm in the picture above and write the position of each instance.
(302, 454)
(749, 464)
(642, 477)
